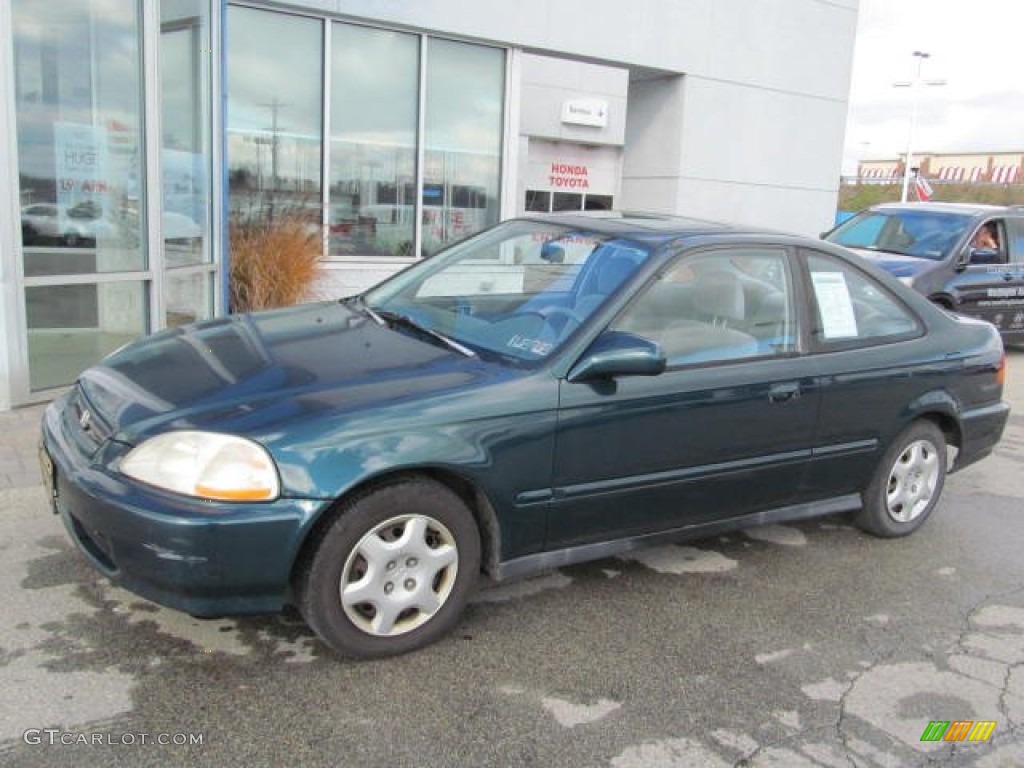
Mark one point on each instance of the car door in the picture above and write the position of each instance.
(724, 430)
(1012, 321)
(867, 379)
(990, 282)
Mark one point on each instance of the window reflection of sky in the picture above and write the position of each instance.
(274, 57)
(464, 97)
(51, 82)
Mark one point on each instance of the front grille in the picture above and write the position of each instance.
(83, 424)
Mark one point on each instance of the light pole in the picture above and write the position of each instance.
(915, 86)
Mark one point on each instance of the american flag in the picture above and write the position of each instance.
(923, 188)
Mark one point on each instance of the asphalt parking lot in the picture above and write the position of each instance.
(801, 645)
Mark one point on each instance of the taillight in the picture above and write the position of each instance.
(1001, 372)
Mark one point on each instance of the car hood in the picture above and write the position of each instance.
(896, 264)
(251, 374)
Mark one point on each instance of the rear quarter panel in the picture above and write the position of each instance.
(869, 395)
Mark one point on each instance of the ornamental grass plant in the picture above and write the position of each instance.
(275, 258)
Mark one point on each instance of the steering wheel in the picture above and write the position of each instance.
(935, 242)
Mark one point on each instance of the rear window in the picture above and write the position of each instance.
(851, 309)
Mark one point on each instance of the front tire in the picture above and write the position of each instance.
(907, 484)
(392, 572)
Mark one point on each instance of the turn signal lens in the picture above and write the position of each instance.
(1001, 372)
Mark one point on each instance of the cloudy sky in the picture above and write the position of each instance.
(976, 46)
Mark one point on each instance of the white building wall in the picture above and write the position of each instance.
(754, 130)
(733, 152)
(795, 45)
(563, 167)
(548, 83)
(559, 155)
(652, 164)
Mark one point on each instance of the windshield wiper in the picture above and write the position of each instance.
(361, 303)
(396, 319)
(358, 303)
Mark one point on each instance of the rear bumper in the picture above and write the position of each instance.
(204, 558)
(981, 429)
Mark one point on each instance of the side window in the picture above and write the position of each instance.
(1015, 238)
(851, 308)
(718, 305)
(988, 243)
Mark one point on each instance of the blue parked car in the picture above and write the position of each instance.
(964, 257)
(550, 391)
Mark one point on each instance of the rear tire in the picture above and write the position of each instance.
(392, 572)
(907, 484)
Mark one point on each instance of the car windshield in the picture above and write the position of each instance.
(516, 292)
(925, 234)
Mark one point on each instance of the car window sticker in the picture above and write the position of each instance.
(835, 304)
(536, 347)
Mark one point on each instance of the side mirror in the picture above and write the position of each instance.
(615, 353)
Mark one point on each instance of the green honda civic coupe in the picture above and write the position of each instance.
(549, 391)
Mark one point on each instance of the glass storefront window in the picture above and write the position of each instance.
(186, 175)
(462, 146)
(73, 326)
(598, 203)
(77, 77)
(275, 126)
(538, 201)
(566, 201)
(374, 98)
(188, 296)
(78, 102)
(87, 275)
(185, 154)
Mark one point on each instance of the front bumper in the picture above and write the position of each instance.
(204, 558)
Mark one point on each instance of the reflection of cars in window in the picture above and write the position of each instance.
(966, 258)
(545, 392)
(57, 224)
(86, 222)
(39, 223)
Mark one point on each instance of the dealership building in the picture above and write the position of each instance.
(134, 131)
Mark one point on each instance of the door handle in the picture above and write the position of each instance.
(781, 393)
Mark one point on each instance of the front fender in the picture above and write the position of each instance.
(503, 457)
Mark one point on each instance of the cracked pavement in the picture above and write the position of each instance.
(802, 645)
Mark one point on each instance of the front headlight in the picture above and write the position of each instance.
(206, 465)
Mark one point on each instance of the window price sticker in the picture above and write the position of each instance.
(833, 295)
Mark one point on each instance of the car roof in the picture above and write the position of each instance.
(970, 209)
(647, 226)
